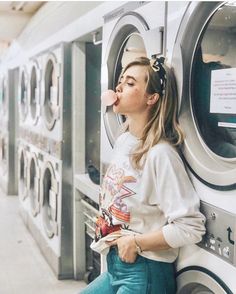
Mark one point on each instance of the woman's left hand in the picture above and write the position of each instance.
(126, 248)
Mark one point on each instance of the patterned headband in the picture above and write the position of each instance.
(157, 65)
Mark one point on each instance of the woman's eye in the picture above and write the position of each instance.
(130, 84)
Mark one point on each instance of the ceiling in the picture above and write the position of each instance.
(14, 16)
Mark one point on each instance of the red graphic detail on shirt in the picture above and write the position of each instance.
(115, 188)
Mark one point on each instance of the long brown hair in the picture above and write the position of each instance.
(163, 123)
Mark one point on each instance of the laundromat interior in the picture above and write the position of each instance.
(57, 138)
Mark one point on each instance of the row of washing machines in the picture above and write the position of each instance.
(45, 154)
(41, 159)
(65, 138)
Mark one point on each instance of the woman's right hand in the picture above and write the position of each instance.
(126, 248)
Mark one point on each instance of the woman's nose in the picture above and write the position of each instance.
(118, 88)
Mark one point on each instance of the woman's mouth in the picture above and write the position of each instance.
(117, 102)
(109, 97)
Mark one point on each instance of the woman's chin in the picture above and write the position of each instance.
(115, 109)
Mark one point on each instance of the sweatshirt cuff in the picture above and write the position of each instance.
(171, 236)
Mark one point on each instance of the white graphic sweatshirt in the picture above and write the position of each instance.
(159, 197)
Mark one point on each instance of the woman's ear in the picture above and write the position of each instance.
(152, 99)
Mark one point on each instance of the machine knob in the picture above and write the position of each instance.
(213, 216)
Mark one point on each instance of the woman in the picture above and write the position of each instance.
(149, 208)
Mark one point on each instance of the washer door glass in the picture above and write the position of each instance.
(51, 95)
(22, 175)
(33, 92)
(213, 90)
(33, 186)
(23, 96)
(130, 48)
(49, 197)
(195, 288)
(199, 280)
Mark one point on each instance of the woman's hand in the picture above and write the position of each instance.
(126, 248)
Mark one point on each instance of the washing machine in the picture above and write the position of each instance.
(35, 80)
(46, 131)
(46, 205)
(30, 166)
(55, 89)
(23, 94)
(8, 132)
(23, 161)
(132, 30)
(56, 207)
(33, 176)
(200, 46)
(30, 86)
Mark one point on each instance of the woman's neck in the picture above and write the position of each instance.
(136, 126)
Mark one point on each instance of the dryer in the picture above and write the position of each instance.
(200, 45)
(132, 30)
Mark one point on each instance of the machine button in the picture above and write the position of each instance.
(212, 241)
(226, 251)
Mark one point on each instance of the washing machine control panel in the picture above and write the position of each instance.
(220, 232)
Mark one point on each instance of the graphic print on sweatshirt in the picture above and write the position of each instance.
(114, 191)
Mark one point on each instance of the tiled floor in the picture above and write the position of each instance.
(23, 270)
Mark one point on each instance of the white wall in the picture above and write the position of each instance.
(56, 22)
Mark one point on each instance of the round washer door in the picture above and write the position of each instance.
(204, 59)
(51, 91)
(198, 280)
(35, 79)
(33, 184)
(22, 173)
(23, 94)
(126, 42)
(49, 200)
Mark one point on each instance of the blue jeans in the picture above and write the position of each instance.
(145, 276)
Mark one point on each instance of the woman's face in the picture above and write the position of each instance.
(131, 91)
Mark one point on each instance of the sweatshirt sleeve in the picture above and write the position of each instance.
(178, 199)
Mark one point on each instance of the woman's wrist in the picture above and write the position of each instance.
(137, 245)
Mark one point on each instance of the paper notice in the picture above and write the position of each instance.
(223, 91)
